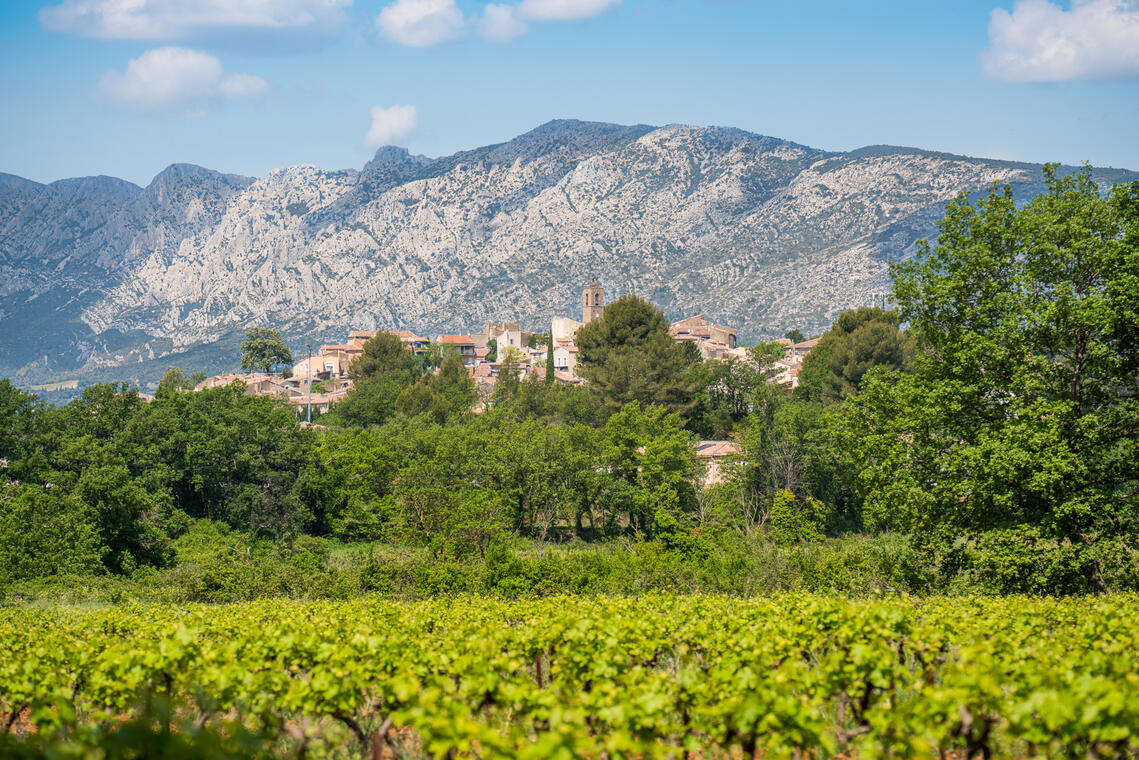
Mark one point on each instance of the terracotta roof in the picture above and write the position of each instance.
(698, 322)
(456, 339)
(808, 343)
(711, 449)
(408, 336)
(563, 376)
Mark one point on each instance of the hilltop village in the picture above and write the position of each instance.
(322, 380)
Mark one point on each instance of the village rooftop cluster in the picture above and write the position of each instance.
(322, 380)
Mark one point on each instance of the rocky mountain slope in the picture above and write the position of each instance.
(101, 278)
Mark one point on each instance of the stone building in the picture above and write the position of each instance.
(593, 303)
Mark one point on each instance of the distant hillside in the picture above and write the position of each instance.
(100, 278)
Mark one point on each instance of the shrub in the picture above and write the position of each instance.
(793, 520)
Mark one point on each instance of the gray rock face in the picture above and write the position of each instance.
(102, 278)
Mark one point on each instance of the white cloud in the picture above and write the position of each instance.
(390, 125)
(500, 23)
(1042, 42)
(171, 80)
(243, 86)
(563, 10)
(171, 20)
(421, 23)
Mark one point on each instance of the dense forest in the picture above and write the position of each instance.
(982, 436)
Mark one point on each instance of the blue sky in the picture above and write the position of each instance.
(248, 85)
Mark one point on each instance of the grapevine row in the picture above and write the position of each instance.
(658, 676)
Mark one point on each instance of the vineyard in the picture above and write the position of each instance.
(659, 676)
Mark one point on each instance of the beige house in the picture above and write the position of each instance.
(256, 384)
(466, 345)
(493, 330)
(788, 373)
(800, 350)
(416, 344)
(344, 353)
(362, 335)
(323, 367)
(701, 330)
(715, 455)
(564, 329)
(516, 338)
(321, 402)
(565, 358)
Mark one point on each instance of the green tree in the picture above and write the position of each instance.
(628, 356)
(550, 361)
(453, 382)
(858, 341)
(362, 469)
(128, 514)
(726, 389)
(650, 451)
(508, 383)
(21, 422)
(423, 399)
(795, 335)
(225, 456)
(263, 349)
(380, 374)
(793, 520)
(174, 380)
(800, 447)
(1022, 413)
(43, 531)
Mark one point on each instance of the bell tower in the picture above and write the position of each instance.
(593, 303)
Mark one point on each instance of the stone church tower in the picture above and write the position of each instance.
(593, 303)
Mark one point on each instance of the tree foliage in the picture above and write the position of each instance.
(1022, 411)
(793, 520)
(858, 341)
(263, 349)
(174, 380)
(628, 356)
(380, 375)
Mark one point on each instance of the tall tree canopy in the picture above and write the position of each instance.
(628, 356)
(263, 349)
(441, 395)
(380, 374)
(858, 341)
(1021, 418)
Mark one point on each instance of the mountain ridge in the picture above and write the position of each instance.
(101, 276)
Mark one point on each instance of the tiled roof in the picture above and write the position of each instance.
(408, 336)
(711, 449)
